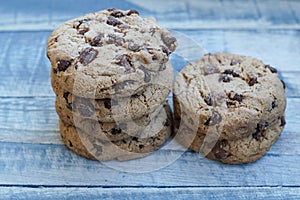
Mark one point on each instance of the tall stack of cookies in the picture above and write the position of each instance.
(230, 108)
(111, 76)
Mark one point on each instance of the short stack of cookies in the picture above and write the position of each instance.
(111, 76)
(229, 107)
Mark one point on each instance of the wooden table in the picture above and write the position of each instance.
(35, 164)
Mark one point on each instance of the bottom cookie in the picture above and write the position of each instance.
(89, 146)
(239, 151)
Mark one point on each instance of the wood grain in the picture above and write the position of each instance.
(243, 193)
(184, 14)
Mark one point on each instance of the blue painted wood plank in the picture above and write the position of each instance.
(35, 14)
(25, 69)
(243, 193)
(54, 165)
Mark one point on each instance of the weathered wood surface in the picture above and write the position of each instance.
(34, 164)
(261, 193)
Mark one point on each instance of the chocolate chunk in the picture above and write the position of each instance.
(208, 100)
(134, 139)
(272, 69)
(282, 121)
(97, 41)
(235, 97)
(230, 103)
(260, 129)
(88, 55)
(235, 62)
(84, 107)
(210, 69)
(115, 131)
(214, 119)
(124, 61)
(283, 83)
(231, 72)
(107, 103)
(147, 77)
(82, 22)
(117, 13)
(62, 65)
(165, 50)
(141, 146)
(54, 71)
(219, 149)
(225, 78)
(274, 104)
(169, 41)
(130, 12)
(83, 31)
(122, 85)
(252, 80)
(66, 95)
(113, 39)
(70, 143)
(113, 21)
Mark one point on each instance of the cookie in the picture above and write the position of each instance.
(233, 94)
(87, 145)
(141, 127)
(111, 52)
(240, 151)
(234, 102)
(118, 109)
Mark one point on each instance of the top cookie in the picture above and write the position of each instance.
(111, 52)
(231, 95)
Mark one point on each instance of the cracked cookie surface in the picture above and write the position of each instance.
(111, 52)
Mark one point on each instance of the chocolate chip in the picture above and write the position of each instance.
(141, 146)
(166, 123)
(107, 103)
(272, 69)
(113, 39)
(210, 69)
(214, 119)
(82, 22)
(70, 143)
(124, 61)
(282, 121)
(130, 12)
(115, 131)
(219, 149)
(169, 41)
(252, 80)
(283, 83)
(147, 77)
(235, 61)
(97, 40)
(117, 13)
(165, 50)
(88, 55)
(83, 31)
(113, 21)
(235, 97)
(260, 129)
(66, 95)
(54, 71)
(273, 104)
(208, 100)
(134, 139)
(84, 107)
(225, 78)
(231, 72)
(62, 65)
(69, 106)
(230, 103)
(122, 85)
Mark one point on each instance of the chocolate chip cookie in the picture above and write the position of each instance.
(87, 145)
(229, 98)
(117, 109)
(111, 52)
